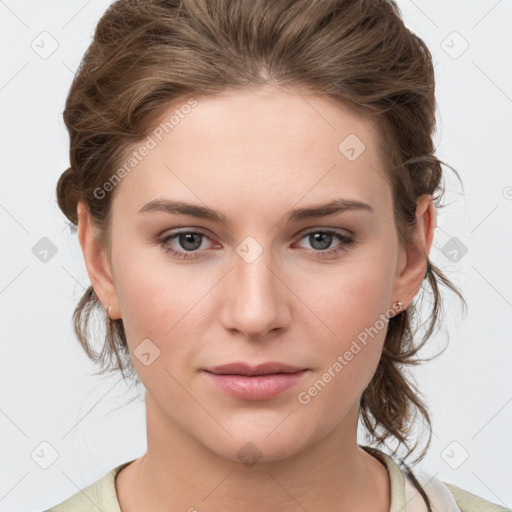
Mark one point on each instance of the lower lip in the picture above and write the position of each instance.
(260, 387)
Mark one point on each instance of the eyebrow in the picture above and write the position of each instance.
(334, 207)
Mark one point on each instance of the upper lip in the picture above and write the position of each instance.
(241, 368)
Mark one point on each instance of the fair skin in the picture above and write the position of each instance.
(254, 156)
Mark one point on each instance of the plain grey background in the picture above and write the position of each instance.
(54, 412)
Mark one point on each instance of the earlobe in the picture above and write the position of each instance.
(408, 283)
(96, 262)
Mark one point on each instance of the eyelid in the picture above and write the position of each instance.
(300, 234)
(175, 233)
(338, 231)
(343, 238)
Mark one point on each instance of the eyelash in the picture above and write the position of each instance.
(345, 240)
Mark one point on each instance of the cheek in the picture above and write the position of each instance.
(347, 360)
(164, 303)
(151, 290)
(348, 327)
(346, 301)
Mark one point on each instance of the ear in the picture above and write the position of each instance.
(413, 260)
(96, 261)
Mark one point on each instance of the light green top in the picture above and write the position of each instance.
(101, 495)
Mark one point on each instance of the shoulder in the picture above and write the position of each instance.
(100, 495)
(469, 502)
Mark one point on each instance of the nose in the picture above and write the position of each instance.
(255, 298)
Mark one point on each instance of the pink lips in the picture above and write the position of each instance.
(261, 382)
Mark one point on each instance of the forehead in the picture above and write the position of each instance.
(264, 146)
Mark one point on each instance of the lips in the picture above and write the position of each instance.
(261, 382)
(241, 368)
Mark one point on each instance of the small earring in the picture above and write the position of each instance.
(109, 308)
(398, 305)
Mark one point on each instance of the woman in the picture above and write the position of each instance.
(254, 185)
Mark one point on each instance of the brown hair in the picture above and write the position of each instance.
(148, 53)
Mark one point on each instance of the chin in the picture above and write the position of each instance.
(259, 444)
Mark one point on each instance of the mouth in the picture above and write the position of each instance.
(261, 382)
(240, 368)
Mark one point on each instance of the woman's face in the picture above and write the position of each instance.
(262, 271)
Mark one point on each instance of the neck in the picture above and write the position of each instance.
(179, 472)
